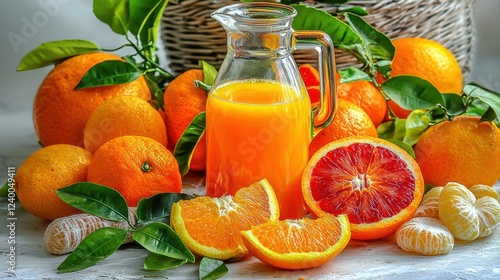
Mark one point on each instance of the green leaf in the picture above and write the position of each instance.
(161, 239)
(155, 261)
(417, 123)
(145, 19)
(184, 148)
(209, 73)
(489, 115)
(395, 129)
(412, 92)
(109, 72)
(310, 18)
(97, 246)
(378, 46)
(4, 190)
(55, 52)
(95, 199)
(360, 11)
(157, 208)
(403, 146)
(114, 13)
(453, 103)
(156, 91)
(211, 269)
(378, 43)
(491, 98)
(353, 74)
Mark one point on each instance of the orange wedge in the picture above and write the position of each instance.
(298, 244)
(210, 227)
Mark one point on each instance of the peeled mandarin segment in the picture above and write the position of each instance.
(484, 190)
(429, 206)
(489, 215)
(426, 236)
(298, 244)
(210, 227)
(457, 212)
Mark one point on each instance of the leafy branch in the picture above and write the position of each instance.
(152, 230)
(375, 51)
(138, 21)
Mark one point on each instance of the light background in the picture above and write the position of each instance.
(73, 19)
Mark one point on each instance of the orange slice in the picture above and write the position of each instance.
(298, 244)
(377, 184)
(210, 227)
(465, 216)
(426, 236)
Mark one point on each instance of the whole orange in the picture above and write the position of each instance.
(367, 96)
(350, 120)
(123, 115)
(47, 170)
(464, 150)
(428, 60)
(182, 102)
(60, 112)
(136, 166)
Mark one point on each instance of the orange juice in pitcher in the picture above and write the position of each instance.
(259, 118)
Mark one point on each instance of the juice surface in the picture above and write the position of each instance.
(256, 130)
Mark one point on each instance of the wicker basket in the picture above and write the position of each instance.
(190, 34)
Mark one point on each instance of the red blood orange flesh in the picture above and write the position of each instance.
(374, 182)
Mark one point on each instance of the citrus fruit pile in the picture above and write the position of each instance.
(355, 185)
(450, 212)
(108, 135)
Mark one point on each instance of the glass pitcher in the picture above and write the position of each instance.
(259, 118)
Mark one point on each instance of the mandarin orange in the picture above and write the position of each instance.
(367, 96)
(182, 102)
(136, 166)
(46, 170)
(465, 150)
(60, 112)
(123, 115)
(350, 120)
(428, 60)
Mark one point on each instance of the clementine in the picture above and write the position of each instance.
(464, 150)
(123, 115)
(428, 60)
(183, 101)
(47, 170)
(60, 112)
(367, 96)
(350, 120)
(136, 166)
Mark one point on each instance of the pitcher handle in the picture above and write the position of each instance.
(323, 44)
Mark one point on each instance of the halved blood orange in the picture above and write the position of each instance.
(210, 227)
(298, 244)
(377, 184)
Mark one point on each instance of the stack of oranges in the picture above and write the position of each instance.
(113, 136)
